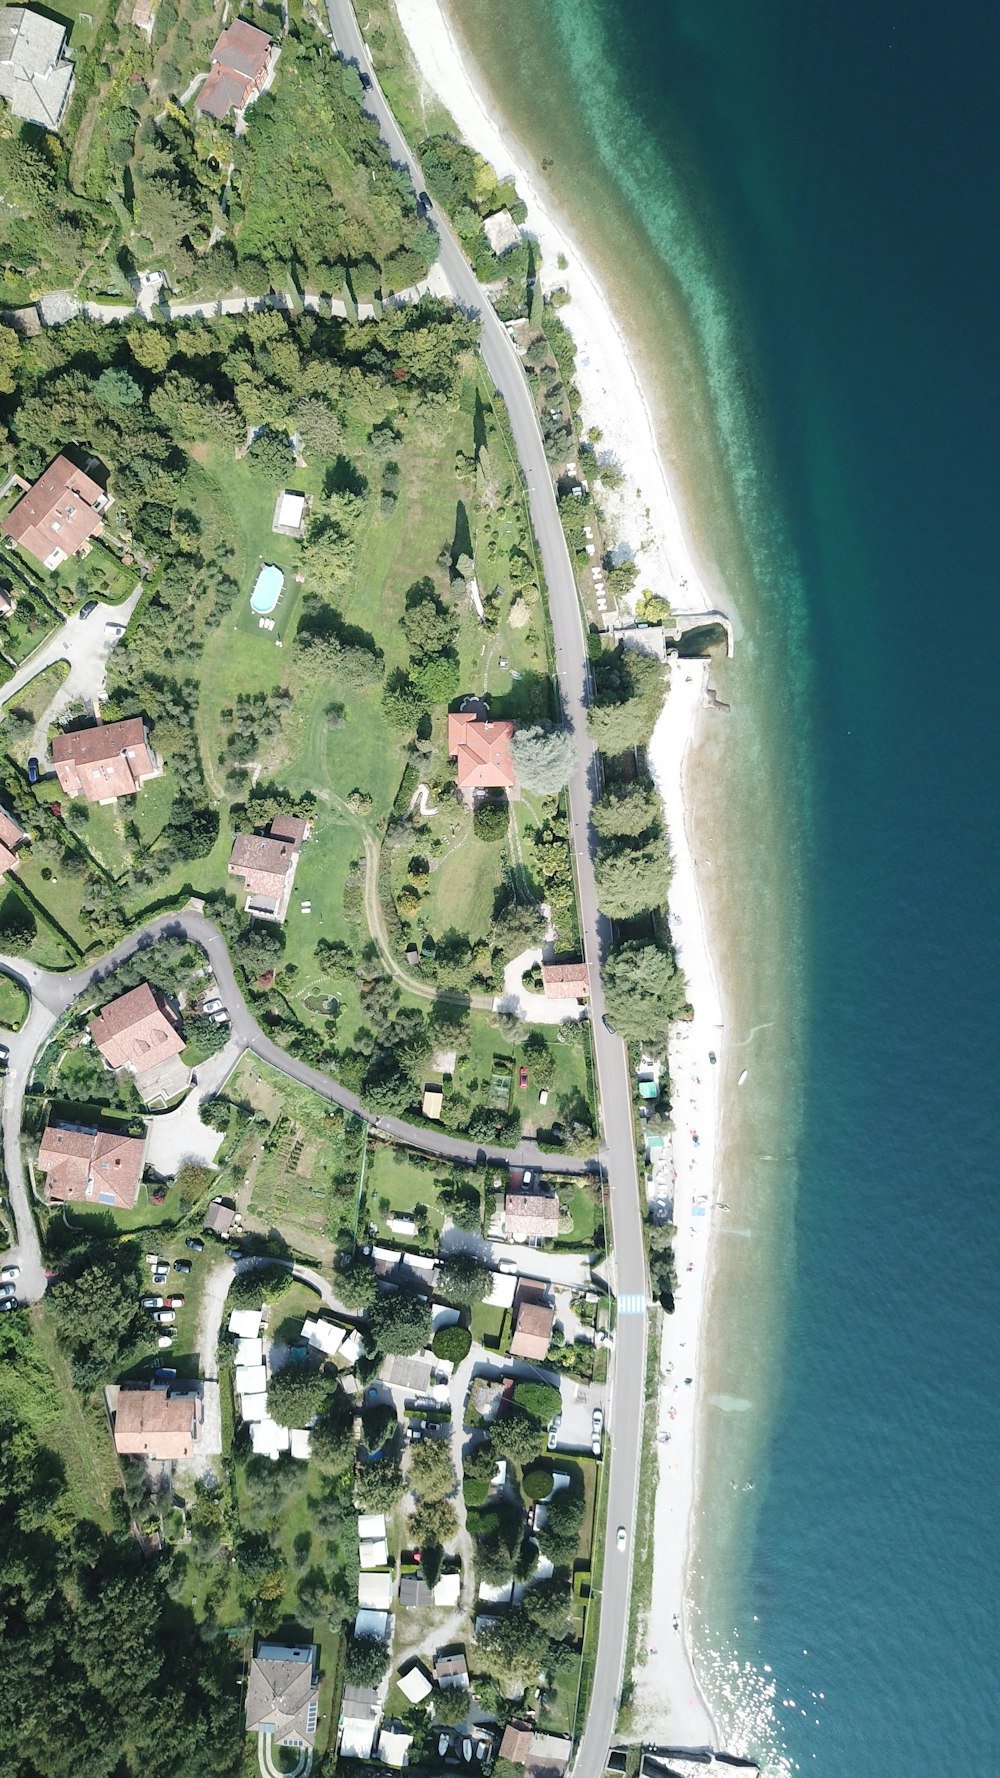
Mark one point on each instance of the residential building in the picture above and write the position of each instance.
(283, 1694)
(530, 1215)
(161, 1424)
(394, 1748)
(549, 1755)
(241, 63)
(565, 981)
(414, 1684)
(289, 514)
(266, 862)
(102, 763)
(36, 76)
(11, 836)
(482, 753)
(64, 509)
(448, 1591)
(137, 1031)
(91, 1166)
(516, 1743)
(219, 1218)
(414, 1593)
(432, 1100)
(375, 1591)
(532, 1329)
(451, 1672)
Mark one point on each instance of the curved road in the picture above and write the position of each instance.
(52, 996)
(627, 1396)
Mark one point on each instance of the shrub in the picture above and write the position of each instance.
(490, 821)
(536, 1482)
(452, 1343)
(540, 1400)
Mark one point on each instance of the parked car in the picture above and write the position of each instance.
(7, 1290)
(711, 1055)
(213, 1005)
(4, 1055)
(164, 1341)
(195, 1245)
(87, 609)
(182, 1265)
(522, 1079)
(8, 1302)
(152, 1302)
(164, 1317)
(598, 1421)
(366, 81)
(162, 1377)
(33, 770)
(175, 1302)
(10, 1272)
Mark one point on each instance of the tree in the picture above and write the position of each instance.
(378, 1423)
(295, 1396)
(628, 813)
(463, 1279)
(452, 1707)
(434, 1521)
(366, 1661)
(632, 879)
(515, 1648)
(432, 1473)
(536, 1481)
(403, 703)
(544, 756)
(539, 1060)
(117, 391)
(258, 1285)
(644, 992)
(541, 1400)
(378, 1485)
(548, 1604)
(333, 1439)
(452, 1343)
(516, 1435)
(97, 1311)
(437, 678)
(401, 1323)
(560, 1536)
(490, 820)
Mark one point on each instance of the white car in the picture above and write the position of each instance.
(622, 1538)
(213, 1005)
(598, 1422)
(9, 1273)
(164, 1341)
(165, 1317)
(152, 1302)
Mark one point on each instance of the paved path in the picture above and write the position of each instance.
(629, 1358)
(52, 995)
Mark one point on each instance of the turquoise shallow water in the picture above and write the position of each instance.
(795, 207)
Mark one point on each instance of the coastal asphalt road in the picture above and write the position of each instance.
(52, 996)
(627, 1390)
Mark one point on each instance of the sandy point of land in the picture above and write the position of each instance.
(642, 514)
(668, 1703)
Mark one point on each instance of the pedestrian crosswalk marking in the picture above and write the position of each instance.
(632, 1303)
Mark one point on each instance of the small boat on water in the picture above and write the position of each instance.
(743, 1077)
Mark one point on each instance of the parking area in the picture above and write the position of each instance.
(578, 1403)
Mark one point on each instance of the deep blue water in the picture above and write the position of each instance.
(847, 158)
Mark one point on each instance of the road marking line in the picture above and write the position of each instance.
(632, 1303)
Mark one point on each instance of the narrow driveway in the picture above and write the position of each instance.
(628, 1375)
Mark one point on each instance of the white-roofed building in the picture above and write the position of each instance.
(495, 1595)
(374, 1623)
(501, 231)
(394, 1748)
(415, 1685)
(373, 1552)
(360, 1716)
(351, 1350)
(326, 1336)
(251, 1379)
(36, 75)
(289, 514)
(245, 1323)
(269, 1439)
(254, 1407)
(299, 1443)
(502, 1288)
(370, 1525)
(249, 1352)
(375, 1591)
(448, 1590)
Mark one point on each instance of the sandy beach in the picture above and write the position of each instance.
(645, 515)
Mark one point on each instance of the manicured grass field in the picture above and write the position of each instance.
(392, 1176)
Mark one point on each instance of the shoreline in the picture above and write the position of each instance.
(648, 518)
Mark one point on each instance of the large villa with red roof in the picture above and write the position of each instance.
(482, 753)
(91, 1166)
(241, 65)
(102, 763)
(59, 514)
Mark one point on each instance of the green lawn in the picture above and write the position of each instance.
(14, 1004)
(40, 1389)
(393, 1177)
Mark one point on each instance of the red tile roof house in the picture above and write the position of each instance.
(565, 981)
(112, 759)
(11, 836)
(531, 1216)
(266, 862)
(482, 754)
(137, 1031)
(532, 1329)
(241, 63)
(58, 515)
(156, 1423)
(91, 1166)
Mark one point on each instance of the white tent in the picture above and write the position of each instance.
(352, 1348)
(448, 1590)
(357, 1737)
(374, 1552)
(374, 1623)
(251, 1379)
(245, 1323)
(299, 1443)
(254, 1407)
(249, 1352)
(375, 1591)
(394, 1748)
(415, 1685)
(370, 1525)
(326, 1336)
(269, 1439)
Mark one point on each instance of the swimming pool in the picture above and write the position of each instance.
(267, 589)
